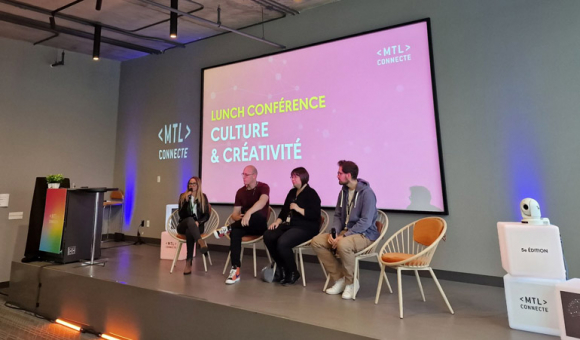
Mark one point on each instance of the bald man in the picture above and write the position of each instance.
(250, 214)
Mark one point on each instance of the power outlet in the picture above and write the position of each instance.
(147, 224)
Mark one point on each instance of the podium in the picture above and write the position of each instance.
(71, 225)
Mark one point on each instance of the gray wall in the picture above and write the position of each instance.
(52, 120)
(507, 82)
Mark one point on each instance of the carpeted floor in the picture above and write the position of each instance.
(16, 324)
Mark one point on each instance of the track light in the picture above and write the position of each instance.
(99, 4)
(97, 43)
(173, 21)
(69, 325)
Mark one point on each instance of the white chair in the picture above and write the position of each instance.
(298, 249)
(250, 240)
(412, 248)
(210, 226)
(370, 251)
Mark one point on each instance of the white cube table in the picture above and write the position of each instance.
(532, 304)
(531, 250)
(169, 247)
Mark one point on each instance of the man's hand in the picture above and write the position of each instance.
(246, 220)
(334, 241)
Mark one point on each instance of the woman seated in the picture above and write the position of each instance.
(298, 222)
(194, 211)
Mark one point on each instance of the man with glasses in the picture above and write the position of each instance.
(354, 221)
(251, 208)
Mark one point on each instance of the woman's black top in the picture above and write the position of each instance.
(201, 216)
(307, 200)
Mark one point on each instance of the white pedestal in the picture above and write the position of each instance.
(568, 302)
(532, 304)
(169, 247)
(531, 250)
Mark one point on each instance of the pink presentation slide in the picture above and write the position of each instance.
(367, 98)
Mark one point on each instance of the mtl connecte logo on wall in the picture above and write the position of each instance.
(175, 133)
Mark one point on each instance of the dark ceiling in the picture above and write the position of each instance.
(134, 28)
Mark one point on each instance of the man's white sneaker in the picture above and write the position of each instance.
(337, 288)
(234, 276)
(350, 290)
(221, 232)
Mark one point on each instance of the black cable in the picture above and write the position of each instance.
(40, 283)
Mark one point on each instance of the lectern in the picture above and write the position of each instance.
(71, 225)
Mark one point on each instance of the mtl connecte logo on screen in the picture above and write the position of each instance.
(174, 133)
(393, 54)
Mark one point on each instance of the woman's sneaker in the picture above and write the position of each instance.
(221, 232)
(234, 276)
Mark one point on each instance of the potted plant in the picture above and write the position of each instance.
(54, 181)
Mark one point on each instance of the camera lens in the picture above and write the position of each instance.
(526, 207)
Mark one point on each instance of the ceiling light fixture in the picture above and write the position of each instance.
(97, 43)
(173, 21)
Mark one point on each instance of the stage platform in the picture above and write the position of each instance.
(135, 296)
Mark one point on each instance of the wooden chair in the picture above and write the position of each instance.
(298, 249)
(250, 240)
(370, 251)
(116, 199)
(412, 248)
(210, 226)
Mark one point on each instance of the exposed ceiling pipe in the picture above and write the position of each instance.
(87, 22)
(45, 39)
(22, 21)
(269, 7)
(65, 7)
(270, 4)
(166, 20)
(210, 23)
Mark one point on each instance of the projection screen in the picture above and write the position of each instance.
(368, 98)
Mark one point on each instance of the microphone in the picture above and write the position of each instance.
(333, 233)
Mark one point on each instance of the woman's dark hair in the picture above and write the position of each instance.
(349, 167)
(302, 173)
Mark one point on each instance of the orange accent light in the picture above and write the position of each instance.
(110, 337)
(68, 324)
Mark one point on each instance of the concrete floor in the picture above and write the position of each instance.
(480, 311)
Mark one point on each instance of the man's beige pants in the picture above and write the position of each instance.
(346, 248)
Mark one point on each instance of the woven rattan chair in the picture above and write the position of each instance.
(250, 240)
(298, 249)
(370, 251)
(210, 226)
(412, 248)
